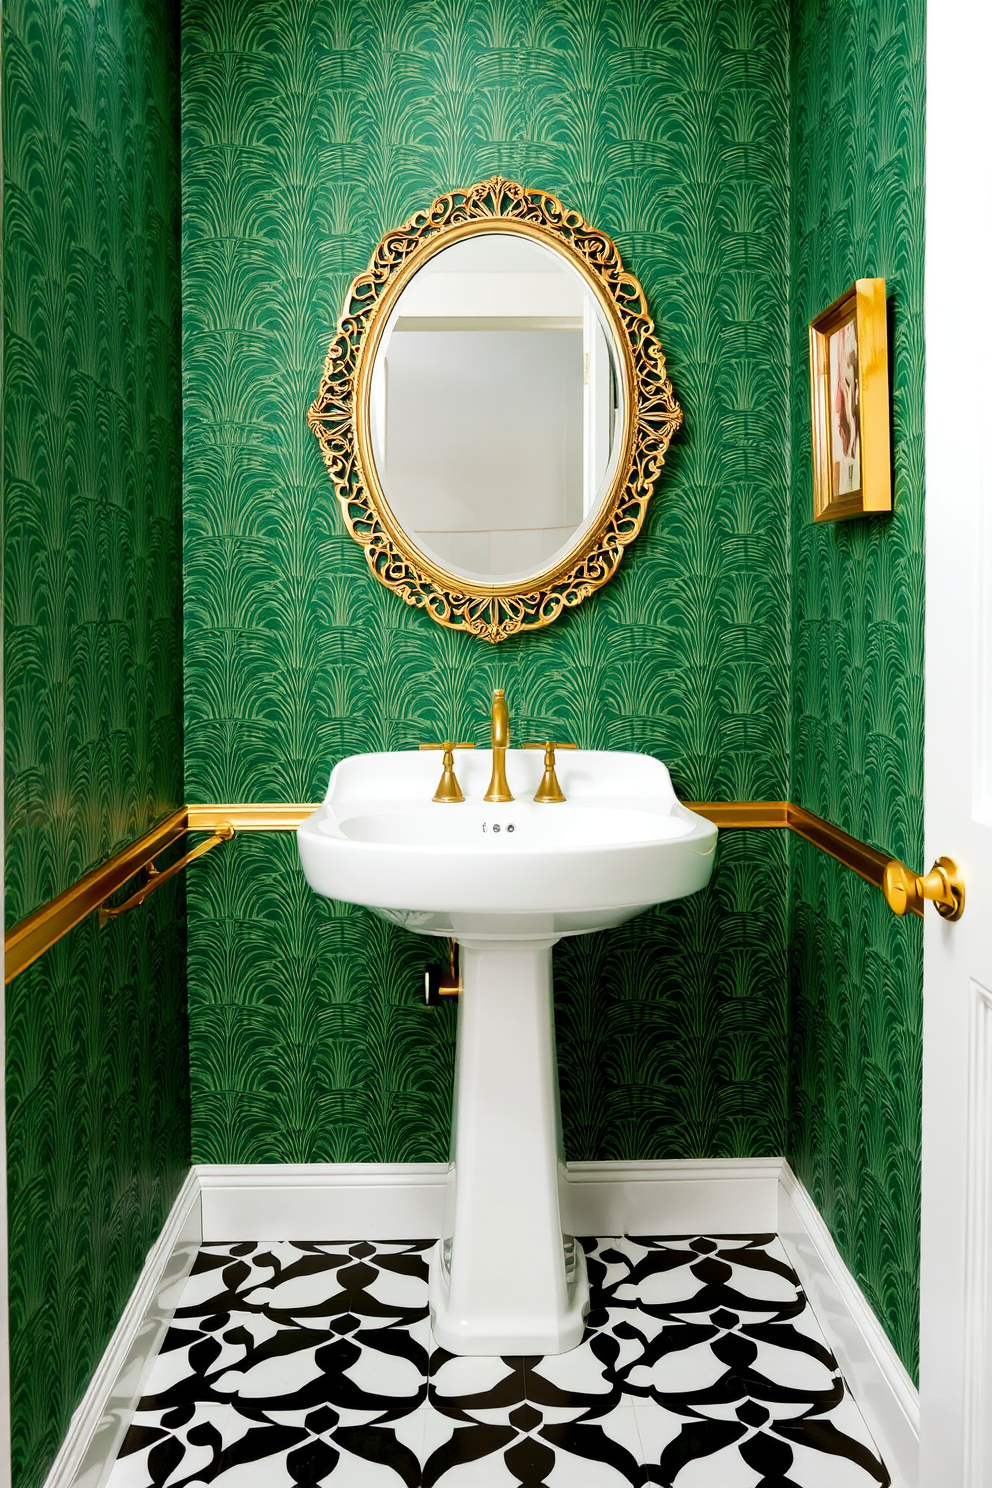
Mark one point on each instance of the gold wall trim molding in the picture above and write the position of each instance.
(867, 862)
(743, 813)
(32, 936)
(263, 816)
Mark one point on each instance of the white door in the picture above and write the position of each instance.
(956, 1336)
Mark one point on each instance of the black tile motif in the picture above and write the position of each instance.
(300, 1364)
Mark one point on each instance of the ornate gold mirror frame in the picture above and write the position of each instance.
(339, 416)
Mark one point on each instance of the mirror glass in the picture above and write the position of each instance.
(496, 409)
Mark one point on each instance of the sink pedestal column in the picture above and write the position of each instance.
(507, 1277)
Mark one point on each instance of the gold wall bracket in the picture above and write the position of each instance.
(448, 788)
(549, 789)
(154, 879)
(943, 886)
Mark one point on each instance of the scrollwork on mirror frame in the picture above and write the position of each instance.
(496, 611)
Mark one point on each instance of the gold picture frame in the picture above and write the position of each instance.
(339, 416)
(849, 392)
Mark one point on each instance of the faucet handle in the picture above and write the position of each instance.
(549, 789)
(448, 788)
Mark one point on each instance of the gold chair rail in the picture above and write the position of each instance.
(32, 936)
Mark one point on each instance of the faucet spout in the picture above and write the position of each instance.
(498, 788)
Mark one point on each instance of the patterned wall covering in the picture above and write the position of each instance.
(310, 127)
(98, 1145)
(93, 747)
(98, 1119)
(857, 632)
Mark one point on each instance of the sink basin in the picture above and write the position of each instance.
(619, 843)
(507, 882)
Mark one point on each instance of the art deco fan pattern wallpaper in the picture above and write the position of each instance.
(308, 131)
(97, 1044)
(749, 161)
(857, 659)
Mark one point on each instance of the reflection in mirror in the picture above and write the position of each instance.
(495, 408)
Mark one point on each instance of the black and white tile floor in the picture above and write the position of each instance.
(313, 1364)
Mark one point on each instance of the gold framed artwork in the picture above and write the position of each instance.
(849, 390)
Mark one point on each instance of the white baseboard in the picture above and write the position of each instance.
(102, 1417)
(877, 1377)
(322, 1201)
(383, 1201)
(699, 1195)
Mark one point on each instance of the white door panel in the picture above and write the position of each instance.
(955, 1383)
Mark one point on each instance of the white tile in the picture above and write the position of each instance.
(573, 1469)
(848, 1418)
(377, 1373)
(202, 1290)
(694, 1368)
(763, 1286)
(563, 1388)
(579, 1372)
(723, 1469)
(793, 1368)
(271, 1378)
(396, 1289)
(352, 1471)
(824, 1470)
(132, 1471)
(169, 1369)
(421, 1334)
(267, 1472)
(488, 1471)
(471, 1376)
(295, 1292)
(656, 1427)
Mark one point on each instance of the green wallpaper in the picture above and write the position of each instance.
(93, 746)
(857, 636)
(97, 1082)
(308, 129)
(98, 1145)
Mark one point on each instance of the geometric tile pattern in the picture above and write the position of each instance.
(307, 133)
(857, 179)
(303, 1363)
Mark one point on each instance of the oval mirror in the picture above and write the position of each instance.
(494, 409)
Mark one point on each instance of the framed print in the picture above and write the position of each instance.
(849, 389)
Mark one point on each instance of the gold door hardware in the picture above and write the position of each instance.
(448, 788)
(154, 879)
(943, 886)
(549, 789)
(440, 982)
(498, 789)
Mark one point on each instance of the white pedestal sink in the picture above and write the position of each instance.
(507, 882)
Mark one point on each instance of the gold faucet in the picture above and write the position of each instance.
(549, 789)
(448, 788)
(498, 788)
